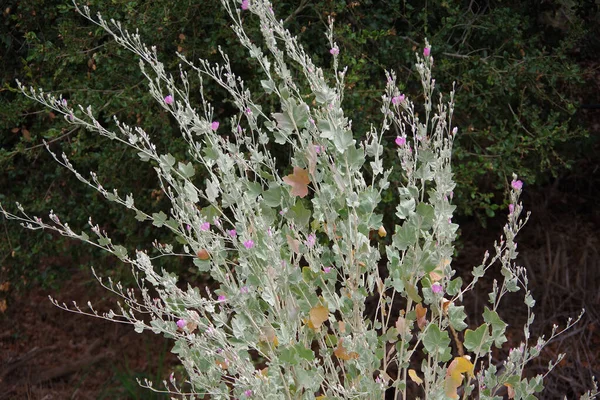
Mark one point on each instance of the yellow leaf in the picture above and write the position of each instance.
(421, 313)
(454, 375)
(321, 397)
(299, 181)
(382, 232)
(415, 378)
(318, 315)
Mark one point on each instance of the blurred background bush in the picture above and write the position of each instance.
(520, 68)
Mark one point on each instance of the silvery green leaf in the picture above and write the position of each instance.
(272, 196)
(457, 316)
(191, 192)
(478, 341)
(144, 156)
(168, 159)
(120, 252)
(268, 85)
(212, 191)
(187, 170)
(437, 341)
(138, 326)
(158, 219)
(355, 157)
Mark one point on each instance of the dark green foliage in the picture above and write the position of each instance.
(514, 63)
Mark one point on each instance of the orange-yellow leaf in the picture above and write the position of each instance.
(269, 335)
(415, 378)
(382, 232)
(510, 391)
(454, 375)
(342, 353)
(445, 305)
(438, 273)
(203, 254)
(299, 181)
(318, 315)
(421, 313)
(321, 397)
(342, 326)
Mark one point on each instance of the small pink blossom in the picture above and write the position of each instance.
(248, 393)
(245, 4)
(454, 130)
(516, 184)
(232, 233)
(169, 100)
(311, 240)
(204, 226)
(317, 149)
(214, 125)
(249, 244)
(334, 51)
(400, 141)
(248, 111)
(426, 51)
(327, 269)
(436, 288)
(188, 227)
(222, 298)
(244, 289)
(181, 323)
(511, 208)
(398, 99)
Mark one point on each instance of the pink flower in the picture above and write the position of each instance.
(244, 289)
(222, 298)
(248, 393)
(248, 111)
(232, 233)
(181, 323)
(334, 51)
(245, 4)
(317, 149)
(426, 51)
(398, 99)
(249, 244)
(454, 130)
(169, 99)
(511, 208)
(311, 240)
(400, 141)
(214, 125)
(204, 226)
(327, 269)
(516, 184)
(436, 288)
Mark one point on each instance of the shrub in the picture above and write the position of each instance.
(295, 247)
